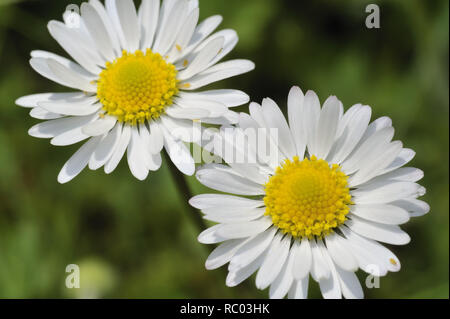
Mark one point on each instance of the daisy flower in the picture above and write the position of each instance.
(135, 74)
(318, 206)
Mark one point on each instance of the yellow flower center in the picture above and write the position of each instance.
(308, 198)
(137, 87)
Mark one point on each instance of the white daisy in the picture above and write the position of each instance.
(134, 73)
(319, 206)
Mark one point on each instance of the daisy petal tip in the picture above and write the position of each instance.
(427, 208)
(93, 167)
(20, 102)
(189, 171)
(33, 132)
(63, 178)
(194, 202)
(229, 282)
(108, 170)
(201, 239)
(295, 90)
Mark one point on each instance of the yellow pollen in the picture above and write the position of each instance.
(308, 198)
(137, 87)
(393, 262)
(185, 63)
(178, 47)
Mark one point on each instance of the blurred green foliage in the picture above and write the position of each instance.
(136, 239)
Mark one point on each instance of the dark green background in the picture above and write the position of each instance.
(136, 239)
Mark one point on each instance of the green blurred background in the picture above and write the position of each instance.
(137, 240)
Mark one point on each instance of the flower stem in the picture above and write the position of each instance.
(183, 187)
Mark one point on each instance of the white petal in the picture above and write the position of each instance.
(156, 138)
(311, 107)
(230, 39)
(225, 181)
(128, 19)
(184, 130)
(213, 108)
(274, 118)
(203, 30)
(244, 230)
(78, 161)
(367, 260)
(232, 146)
(217, 73)
(327, 127)
(211, 236)
(205, 201)
(75, 45)
(179, 154)
(405, 156)
(184, 36)
(136, 156)
(72, 136)
(303, 259)
(170, 27)
(98, 31)
(415, 207)
(403, 174)
(257, 115)
(319, 268)
(101, 126)
(32, 101)
(330, 287)
(384, 214)
(105, 148)
(108, 24)
(202, 60)
(375, 165)
(281, 285)
(120, 150)
(274, 261)
(113, 15)
(187, 114)
(357, 120)
(148, 16)
(83, 106)
(234, 278)
(50, 129)
(229, 118)
(374, 127)
(368, 151)
(231, 217)
(389, 234)
(265, 146)
(388, 193)
(350, 285)
(341, 256)
(66, 62)
(252, 249)
(230, 98)
(154, 162)
(295, 110)
(299, 289)
(42, 114)
(223, 253)
(53, 70)
(371, 254)
(69, 138)
(70, 78)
